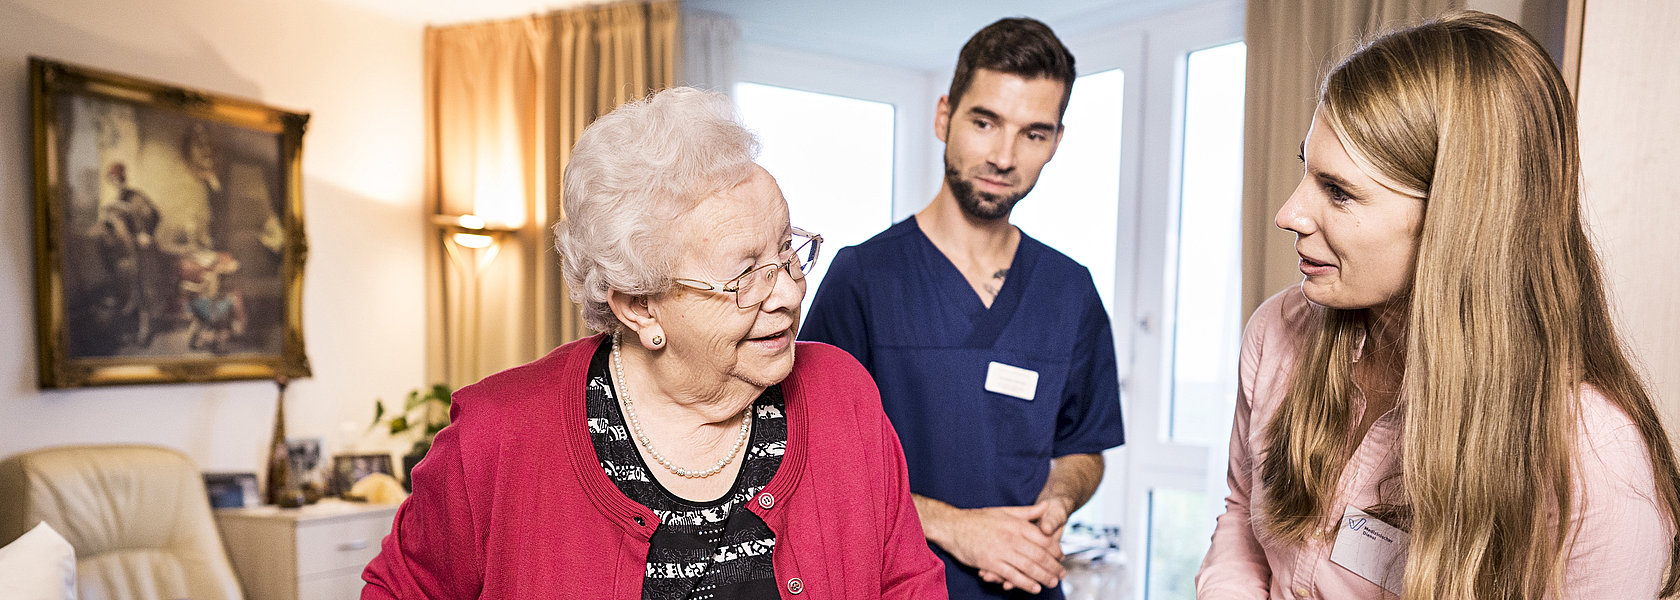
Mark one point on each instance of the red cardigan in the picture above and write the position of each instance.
(511, 501)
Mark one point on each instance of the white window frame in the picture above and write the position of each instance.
(1152, 460)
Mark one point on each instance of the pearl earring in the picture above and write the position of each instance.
(658, 341)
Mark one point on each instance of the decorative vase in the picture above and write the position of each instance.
(280, 489)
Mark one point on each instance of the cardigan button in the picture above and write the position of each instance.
(795, 586)
(766, 502)
(640, 521)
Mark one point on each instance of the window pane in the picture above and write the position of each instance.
(1075, 209)
(1179, 531)
(1075, 206)
(1206, 327)
(810, 141)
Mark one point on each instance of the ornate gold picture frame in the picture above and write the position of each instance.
(169, 240)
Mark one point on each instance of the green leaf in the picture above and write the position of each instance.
(398, 425)
(378, 413)
(441, 393)
(414, 399)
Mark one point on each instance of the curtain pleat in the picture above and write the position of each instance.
(505, 102)
(709, 56)
(1291, 44)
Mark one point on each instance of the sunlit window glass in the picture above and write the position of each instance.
(1075, 206)
(832, 156)
(1206, 326)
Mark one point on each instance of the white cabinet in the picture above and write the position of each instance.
(312, 553)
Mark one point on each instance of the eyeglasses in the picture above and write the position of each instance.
(754, 285)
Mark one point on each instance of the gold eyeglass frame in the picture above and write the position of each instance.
(733, 286)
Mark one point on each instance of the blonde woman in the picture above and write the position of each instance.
(1441, 409)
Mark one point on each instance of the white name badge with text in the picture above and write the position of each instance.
(1371, 549)
(1011, 380)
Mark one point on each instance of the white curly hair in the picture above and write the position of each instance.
(631, 173)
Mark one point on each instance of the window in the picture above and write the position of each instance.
(1176, 305)
(1075, 205)
(1144, 190)
(1201, 327)
(832, 156)
(1178, 538)
(1207, 328)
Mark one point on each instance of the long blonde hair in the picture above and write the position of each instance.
(1507, 317)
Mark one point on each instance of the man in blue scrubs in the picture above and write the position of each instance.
(993, 353)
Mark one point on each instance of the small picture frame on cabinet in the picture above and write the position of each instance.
(351, 468)
(231, 490)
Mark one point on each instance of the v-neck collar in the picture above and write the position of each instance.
(988, 322)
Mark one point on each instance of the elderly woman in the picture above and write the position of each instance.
(1442, 409)
(683, 452)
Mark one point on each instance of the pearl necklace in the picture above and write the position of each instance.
(636, 425)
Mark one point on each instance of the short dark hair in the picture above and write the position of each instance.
(1018, 46)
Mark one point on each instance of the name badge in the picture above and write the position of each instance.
(1011, 380)
(1371, 549)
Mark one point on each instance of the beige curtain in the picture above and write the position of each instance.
(506, 100)
(1291, 43)
(605, 56)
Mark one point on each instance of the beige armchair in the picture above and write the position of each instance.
(138, 517)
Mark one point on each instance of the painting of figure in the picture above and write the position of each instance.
(171, 231)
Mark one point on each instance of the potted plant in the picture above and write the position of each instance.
(423, 415)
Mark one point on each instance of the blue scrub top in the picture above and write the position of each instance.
(905, 311)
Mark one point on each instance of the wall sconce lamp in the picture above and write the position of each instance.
(472, 244)
(470, 233)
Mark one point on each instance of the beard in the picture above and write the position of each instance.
(977, 204)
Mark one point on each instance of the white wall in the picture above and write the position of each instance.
(359, 75)
(1629, 125)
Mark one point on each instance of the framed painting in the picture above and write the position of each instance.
(169, 240)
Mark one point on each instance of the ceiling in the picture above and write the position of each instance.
(920, 34)
(446, 12)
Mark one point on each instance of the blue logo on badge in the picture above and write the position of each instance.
(1357, 524)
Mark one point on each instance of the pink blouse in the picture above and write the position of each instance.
(1620, 550)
